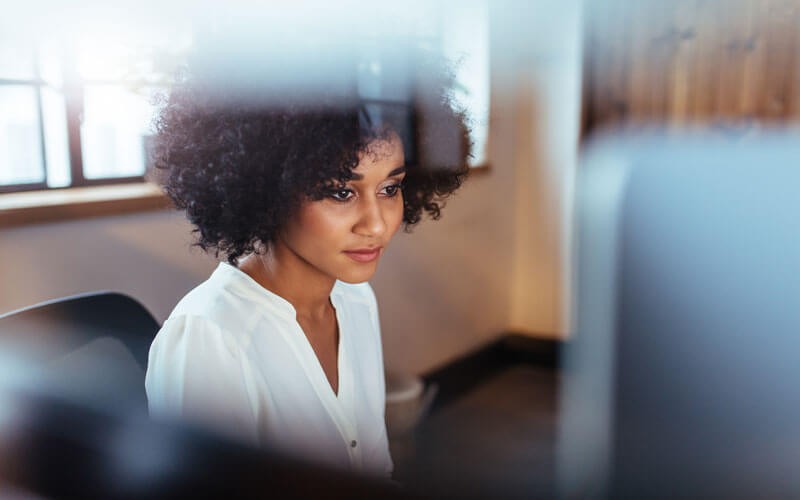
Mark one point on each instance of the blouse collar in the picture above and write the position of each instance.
(241, 283)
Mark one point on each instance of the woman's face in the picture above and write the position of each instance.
(343, 235)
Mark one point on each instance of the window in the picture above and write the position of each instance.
(78, 113)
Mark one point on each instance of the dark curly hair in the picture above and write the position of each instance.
(239, 167)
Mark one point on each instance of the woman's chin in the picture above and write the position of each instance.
(356, 276)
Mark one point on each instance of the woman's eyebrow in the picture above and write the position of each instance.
(397, 171)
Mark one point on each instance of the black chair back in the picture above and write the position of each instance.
(95, 344)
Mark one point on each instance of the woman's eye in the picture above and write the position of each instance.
(392, 190)
(341, 194)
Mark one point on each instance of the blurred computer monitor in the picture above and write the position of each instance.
(683, 375)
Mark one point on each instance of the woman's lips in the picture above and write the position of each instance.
(364, 254)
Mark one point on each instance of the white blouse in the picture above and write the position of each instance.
(232, 356)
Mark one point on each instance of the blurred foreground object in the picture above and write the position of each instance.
(57, 447)
(73, 417)
(682, 376)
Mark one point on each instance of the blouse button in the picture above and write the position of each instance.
(353, 443)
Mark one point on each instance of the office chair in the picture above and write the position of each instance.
(92, 346)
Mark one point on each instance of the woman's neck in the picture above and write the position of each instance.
(284, 273)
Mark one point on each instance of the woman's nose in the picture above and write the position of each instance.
(371, 221)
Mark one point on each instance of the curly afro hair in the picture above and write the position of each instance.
(240, 167)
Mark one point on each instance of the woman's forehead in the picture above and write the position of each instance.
(383, 158)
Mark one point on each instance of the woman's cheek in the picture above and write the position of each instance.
(398, 215)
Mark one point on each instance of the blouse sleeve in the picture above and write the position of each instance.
(198, 373)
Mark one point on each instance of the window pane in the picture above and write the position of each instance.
(116, 119)
(16, 60)
(20, 139)
(55, 138)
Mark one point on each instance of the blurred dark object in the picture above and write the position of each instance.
(681, 379)
(94, 345)
(55, 447)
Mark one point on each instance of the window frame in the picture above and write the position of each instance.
(73, 90)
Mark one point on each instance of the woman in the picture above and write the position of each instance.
(281, 347)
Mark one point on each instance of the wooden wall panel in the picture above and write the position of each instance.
(724, 63)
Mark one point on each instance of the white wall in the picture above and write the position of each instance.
(145, 255)
(543, 44)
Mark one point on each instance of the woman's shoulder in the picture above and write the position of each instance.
(207, 303)
(229, 299)
(208, 311)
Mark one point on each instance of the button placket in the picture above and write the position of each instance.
(344, 399)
